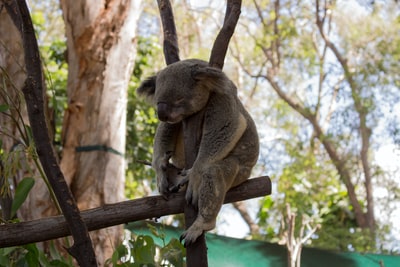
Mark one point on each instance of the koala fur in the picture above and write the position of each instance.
(229, 143)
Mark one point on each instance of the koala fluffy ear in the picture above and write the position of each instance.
(147, 88)
(212, 78)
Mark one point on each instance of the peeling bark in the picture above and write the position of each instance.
(101, 41)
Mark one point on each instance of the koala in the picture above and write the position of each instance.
(229, 145)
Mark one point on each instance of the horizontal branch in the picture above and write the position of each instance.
(14, 234)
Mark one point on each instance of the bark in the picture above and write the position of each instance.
(119, 213)
(101, 38)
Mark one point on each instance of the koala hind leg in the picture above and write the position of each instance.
(215, 182)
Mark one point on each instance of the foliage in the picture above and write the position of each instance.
(143, 250)
(31, 255)
(21, 193)
(285, 51)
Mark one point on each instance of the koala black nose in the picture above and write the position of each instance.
(162, 111)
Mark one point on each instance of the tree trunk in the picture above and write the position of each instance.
(101, 38)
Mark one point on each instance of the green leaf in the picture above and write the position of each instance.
(32, 257)
(21, 194)
(174, 252)
(144, 250)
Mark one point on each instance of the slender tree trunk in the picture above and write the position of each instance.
(12, 77)
(101, 38)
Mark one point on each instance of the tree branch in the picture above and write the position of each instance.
(365, 131)
(221, 43)
(241, 208)
(197, 251)
(171, 48)
(82, 249)
(14, 234)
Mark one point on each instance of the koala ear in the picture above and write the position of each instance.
(147, 88)
(212, 78)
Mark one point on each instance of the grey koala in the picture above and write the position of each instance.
(229, 143)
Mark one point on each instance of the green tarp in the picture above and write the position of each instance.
(232, 252)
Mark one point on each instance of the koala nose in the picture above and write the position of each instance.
(162, 111)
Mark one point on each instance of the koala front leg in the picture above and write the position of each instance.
(165, 147)
(215, 181)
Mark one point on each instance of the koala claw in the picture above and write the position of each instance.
(192, 192)
(190, 236)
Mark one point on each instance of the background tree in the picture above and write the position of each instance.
(331, 71)
(101, 40)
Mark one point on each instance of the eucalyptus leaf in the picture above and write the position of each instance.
(21, 193)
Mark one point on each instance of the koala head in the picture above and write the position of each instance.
(183, 88)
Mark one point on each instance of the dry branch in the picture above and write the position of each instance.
(119, 213)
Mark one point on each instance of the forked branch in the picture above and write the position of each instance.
(197, 251)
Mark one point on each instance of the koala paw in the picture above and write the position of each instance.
(199, 226)
(190, 235)
(183, 180)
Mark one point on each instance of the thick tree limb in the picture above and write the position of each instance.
(192, 128)
(113, 214)
(196, 252)
(82, 249)
(221, 43)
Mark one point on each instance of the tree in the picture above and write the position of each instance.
(328, 75)
(101, 49)
(101, 41)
